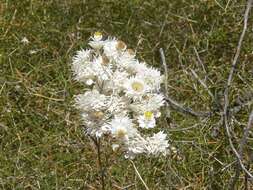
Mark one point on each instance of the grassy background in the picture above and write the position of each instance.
(41, 143)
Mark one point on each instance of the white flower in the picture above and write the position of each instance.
(136, 146)
(117, 105)
(154, 101)
(147, 120)
(154, 145)
(82, 57)
(114, 48)
(140, 68)
(117, 81)
(122, 128)
(157, 144)
(152, 77)
(151, 102)
(81, 66)
(100, 70)
(91, 100)
(96, 41)
(110, 49)
(127, 61)
(135, 88)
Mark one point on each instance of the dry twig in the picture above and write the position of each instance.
(226, 94)
(172, 102)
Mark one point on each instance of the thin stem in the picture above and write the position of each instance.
(240, 164)
(100, 165)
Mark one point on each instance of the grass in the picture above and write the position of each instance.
(42, 145)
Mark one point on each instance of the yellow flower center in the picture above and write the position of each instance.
(97, 115)
(148, 115)
(121, 133)
(137, 86)
(98, 35)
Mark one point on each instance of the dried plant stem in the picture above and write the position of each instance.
(246, 133)
(240, 152)
(99, 159)
(226, 97)
(172, 102)
(139, 175)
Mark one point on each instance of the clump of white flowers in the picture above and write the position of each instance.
(124, 99)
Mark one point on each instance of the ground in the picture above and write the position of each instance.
(42, 145)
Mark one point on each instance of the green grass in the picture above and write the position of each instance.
(42, 145)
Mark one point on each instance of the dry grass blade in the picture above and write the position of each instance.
(139, 175)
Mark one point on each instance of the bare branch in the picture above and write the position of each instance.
(226, 93)
(241, 147)
(246, 134)
(172, 102)
(165, 71)
(186, 110)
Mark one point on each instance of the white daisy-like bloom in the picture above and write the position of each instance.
(136, 146)
(96, 41)
(101, 70)
(151, 102)
(91, 100)
(157, 144)
(92, 119)
(152, 77)
(117, 81)
(114, 48)
(135, 88)
(82, 57)
(140, 68)
(81, 66)
(147, 120)
(127, 61)
(110, 49)
(122, 128)
(117, 105)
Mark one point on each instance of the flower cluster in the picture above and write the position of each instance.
(123, 99)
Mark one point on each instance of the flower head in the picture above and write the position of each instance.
(122, 128)
(96, 41)
(135, 88)
(147, 120)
